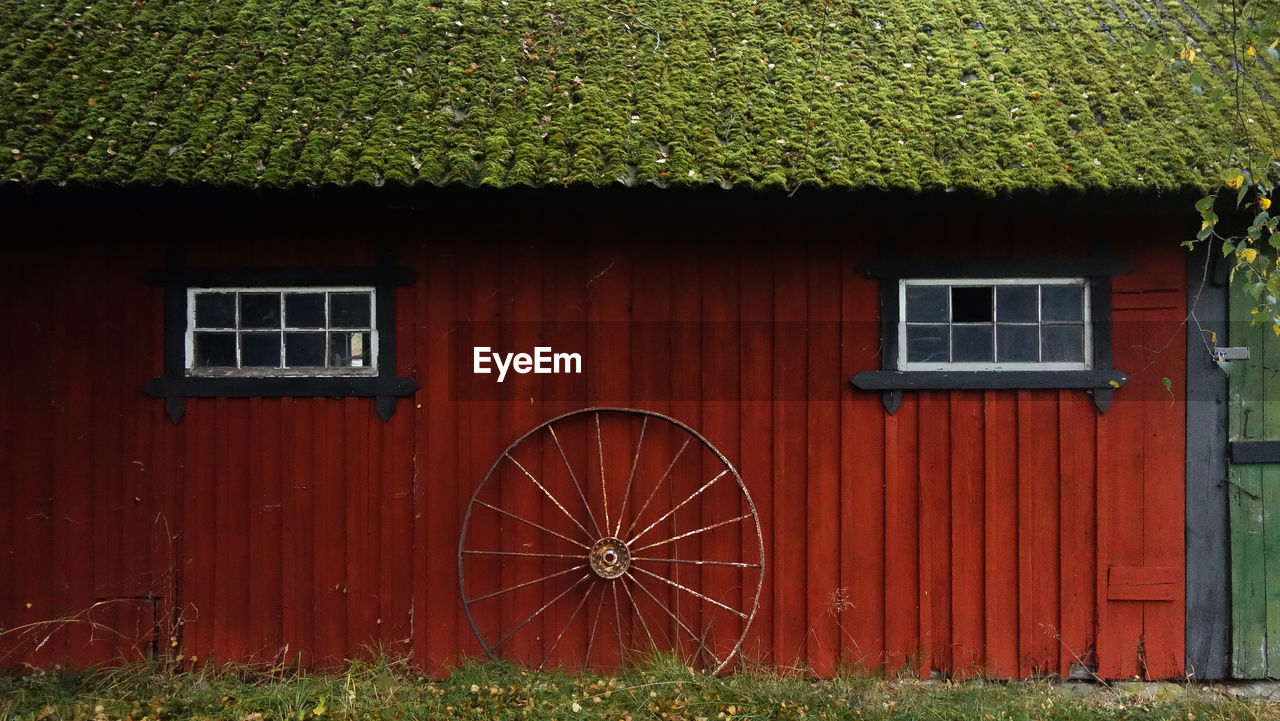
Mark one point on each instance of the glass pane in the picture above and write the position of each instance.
(927, 344)
(972, 343)
(260, 350)
(259, 310)
(349, 310)
(215, 350)
(1063, 343)
(1062, 302)
(927, 303)
(304, 349)
(304, 310)
(971, 304)
(349, 350)
(215, 310)
(1017, 343)
(1016, 304)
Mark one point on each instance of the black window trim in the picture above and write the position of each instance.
(175, 386)
(1101, 380)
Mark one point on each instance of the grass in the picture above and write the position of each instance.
(661, 689)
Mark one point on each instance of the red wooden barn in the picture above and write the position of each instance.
(919, 394)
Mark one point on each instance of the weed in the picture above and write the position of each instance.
(663, 687)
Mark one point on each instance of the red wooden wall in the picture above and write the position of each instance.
(972, 532)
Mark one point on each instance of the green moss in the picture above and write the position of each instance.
(980, 94)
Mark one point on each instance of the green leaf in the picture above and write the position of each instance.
(1204, 204)
(1274, 240)
(1227, 247)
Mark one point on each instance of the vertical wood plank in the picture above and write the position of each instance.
(1209, 555)
(967, 533)
(1077, 545)
(934, 436)
(862, 474)
(823, 435)
(1002, 502)
(902, 539)
(789, 463)
(756, 298)
(439, 626)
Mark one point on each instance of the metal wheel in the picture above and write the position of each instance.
(608, 534)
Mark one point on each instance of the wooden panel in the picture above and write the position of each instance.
(1001, 533)
(963, 534)
(968, 531)
(821, 475)
(862, 473)
(1245, 495)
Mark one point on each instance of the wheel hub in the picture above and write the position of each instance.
(609, 558)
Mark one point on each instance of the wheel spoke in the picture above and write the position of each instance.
(524, 553)
(630, 478)
(733, 564)
(678, 506)
(535, 614)
(675, 618)
(527, 583)
(567, 624)
(573, 477)
(591, 637)
(604, 492)
(617, 623)
(704, 529)
(531, 523)
(653, 644)
(548, 495)
(688, 590)
(656, 486)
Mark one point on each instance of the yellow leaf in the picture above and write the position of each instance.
(1236, 182)
(1113, 384)
(1264, 203)
(1276, 329)
(1248, 255)
(1250, 51)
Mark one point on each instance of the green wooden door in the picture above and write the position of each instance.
(1254, 495)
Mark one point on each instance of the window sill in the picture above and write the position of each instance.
(893, 383)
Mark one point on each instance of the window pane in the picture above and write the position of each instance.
(215, 310)
(349, 350)
(304, 310)
(304, 349)
(215, 350)
(1062, 302)
(1063, 343)
(927, 344)
(260, 350)
(971, 304)
(1016, 304)
(927, 303)
(259, 310)
(349, 310)
(1017, 344)
(972, 343)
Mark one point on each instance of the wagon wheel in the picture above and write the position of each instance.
(608, 534)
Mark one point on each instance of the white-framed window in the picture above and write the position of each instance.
(979, 324)
(282, 331)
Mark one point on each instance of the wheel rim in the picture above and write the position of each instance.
(606, 534)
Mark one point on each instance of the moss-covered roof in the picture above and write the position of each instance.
(991, 95)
